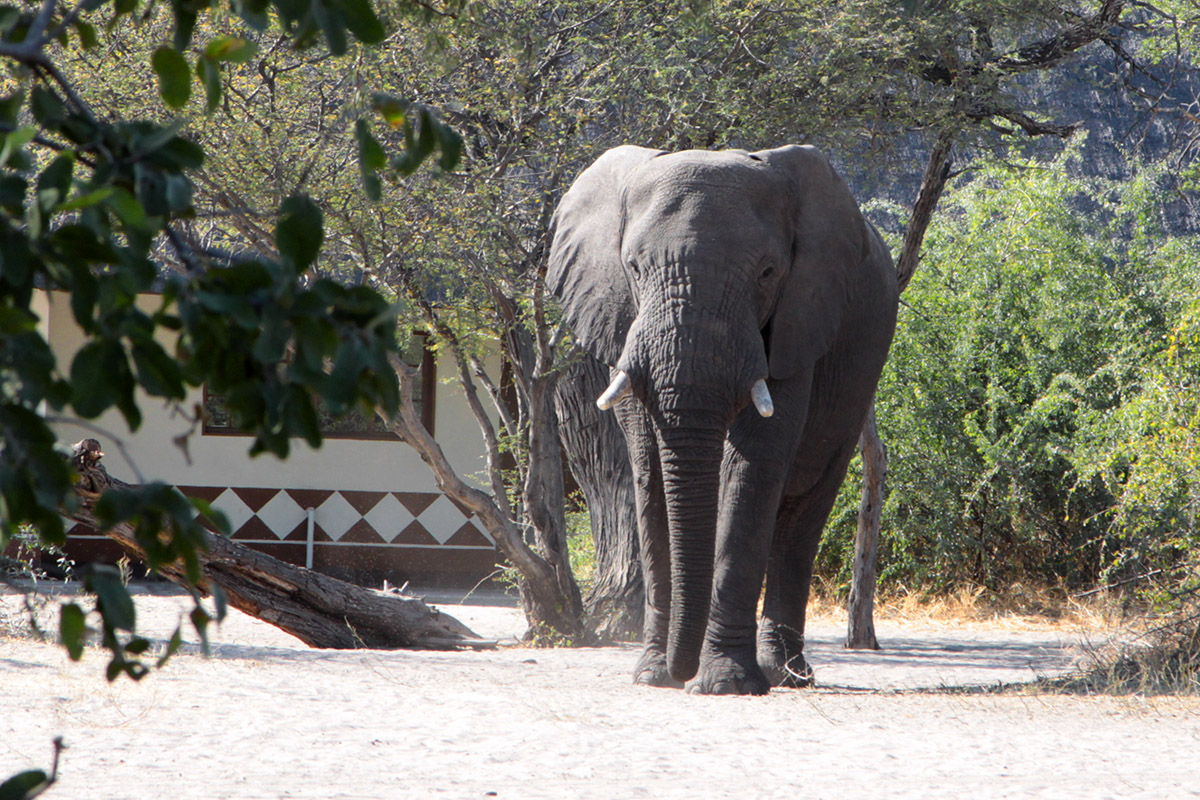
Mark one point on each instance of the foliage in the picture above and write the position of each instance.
(1146, 454)
(1023, 341)
(89, 202)
(31, 783)
(579, 534)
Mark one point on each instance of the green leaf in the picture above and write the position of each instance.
(87, 200)
(231, 48)
(9, 17)
(24, 785)
(332, 25)
(253, 12)
(214, 515)
(87, 34)
(185, 22)
(137, 645)
(95, 377)
(360, 18)
(200, 620)
(54, 182)
(393, 109)
(112, 597)
(370, 153)
(72, 627)
(174, 78)
(371, 159)
(300, 231)
(301, 416)
(221, 601)
(452, 147)
(14, 141)
(210, 75)
(47, 107)
(273, 336)
(157, 372)
(172, 648)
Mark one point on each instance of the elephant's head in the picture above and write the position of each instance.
(699, 275)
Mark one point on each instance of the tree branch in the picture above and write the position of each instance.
(1047, 52)
(937, 171)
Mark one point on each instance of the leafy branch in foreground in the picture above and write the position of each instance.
(88, 203)
(31, 783)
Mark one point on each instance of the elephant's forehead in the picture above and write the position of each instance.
(715, 187)
(732, 169)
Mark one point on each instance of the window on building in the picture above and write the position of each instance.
(354, 425)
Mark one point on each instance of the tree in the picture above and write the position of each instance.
(85, 200)
(599, 460)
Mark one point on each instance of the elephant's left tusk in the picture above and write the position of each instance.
(615, 391)
(762, 398)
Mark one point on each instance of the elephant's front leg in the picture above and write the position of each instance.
(752, 476)
(789, 575)
(651, 669)
(808, 498)
(815, 476)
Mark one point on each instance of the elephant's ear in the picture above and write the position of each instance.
(829, 241)
(585, 269)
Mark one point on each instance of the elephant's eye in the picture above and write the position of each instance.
(767, 273)
(633, 269)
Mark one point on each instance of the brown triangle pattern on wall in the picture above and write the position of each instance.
(466, 512)
(468, 536)
(363, 502)
(416, 502)
(207, 523)
(309, 498)
(299, 533)
(416, 534)
(362, 533)
(255, 528)
(255, 498)
(206, 493)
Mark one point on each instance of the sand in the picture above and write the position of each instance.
(267, 717)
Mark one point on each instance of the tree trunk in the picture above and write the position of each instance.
(861, 632)
(861, 629)
(320, 610)
(545, 505)
(599, 460)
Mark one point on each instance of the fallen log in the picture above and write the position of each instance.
(318, 609)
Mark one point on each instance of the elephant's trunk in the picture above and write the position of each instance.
(691, 464)
(687, 363)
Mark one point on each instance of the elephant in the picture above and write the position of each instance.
(745, 308)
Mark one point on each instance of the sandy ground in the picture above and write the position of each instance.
(267, 717)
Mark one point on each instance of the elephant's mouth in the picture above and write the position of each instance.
(622, 386)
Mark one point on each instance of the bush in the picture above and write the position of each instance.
(1023, 342)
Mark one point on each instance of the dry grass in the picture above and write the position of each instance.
(1022, 609)
(1152, 654)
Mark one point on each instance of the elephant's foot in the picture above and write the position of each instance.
(729, 673)
(651, 670)
(781, 656)
(791, 673)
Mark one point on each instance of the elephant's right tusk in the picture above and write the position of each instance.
(615, 391)
(762, 398)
